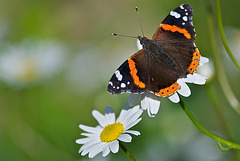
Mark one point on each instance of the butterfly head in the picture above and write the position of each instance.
(143, 41)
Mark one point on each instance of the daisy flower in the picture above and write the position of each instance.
(151, 102)
(30, 62)
(106, 136)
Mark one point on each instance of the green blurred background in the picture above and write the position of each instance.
(40, 111)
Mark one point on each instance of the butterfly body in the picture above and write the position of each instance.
(170, 55)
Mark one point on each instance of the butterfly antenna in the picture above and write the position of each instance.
(139, 21)
(115, 34)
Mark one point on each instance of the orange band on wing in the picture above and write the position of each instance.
(195, 62)
(174, 28)
(196, 55)
(133, 72)
(169, 90)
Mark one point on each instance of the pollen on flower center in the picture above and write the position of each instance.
(29, 73)
(111, 132)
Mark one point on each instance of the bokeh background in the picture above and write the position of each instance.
(56, 58)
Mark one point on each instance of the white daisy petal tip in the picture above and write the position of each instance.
(199, 79)
(189, 78)
(125, 138)
(184, 90)
(174, 98)
(114, 146)
(133, 132)
(99, 117)
(109, 115)
(203, 60)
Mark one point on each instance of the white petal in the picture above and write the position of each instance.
(189, 79)
(125, 138)
(132, 118)
(149, 99)
(149, 112)
(100, 118)
(154, 109)
(185, 90)
(174, 98)
(129, 114)
(83, 140)
(90, 135)
(90, 129)
(88, 149)
(199, 79)
(203, 60)
(97, 149)
(151, 102)
(106, 150)
(133, 99)
(133, 123)
(133, 132)
(139, 46)
(123, 114)
(114, 146)
(136, 115)
(109, 115)
(89, 144)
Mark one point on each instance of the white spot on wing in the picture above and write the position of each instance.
(175, 14)
(182, 7)
(185, 18)
(110, 83)
(118, 75)
(128, 83)
(123, 85)
(183, 23)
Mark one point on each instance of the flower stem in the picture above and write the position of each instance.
(220, 71)
(219, 140)
(127, 152)
(223, 36)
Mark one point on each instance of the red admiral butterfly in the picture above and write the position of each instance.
(169, 56)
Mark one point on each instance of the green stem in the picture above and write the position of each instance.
(127, 152)
(223, 36)
(219, 140)
(220, 71)
(223, 123)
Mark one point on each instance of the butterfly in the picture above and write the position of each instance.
(170, 55)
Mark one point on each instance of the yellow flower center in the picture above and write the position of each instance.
(111, 132)
(29, 73)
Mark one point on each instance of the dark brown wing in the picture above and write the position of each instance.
(175, 37)
(130, 76)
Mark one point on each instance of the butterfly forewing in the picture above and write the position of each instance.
(178, 24)
(126, 79)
